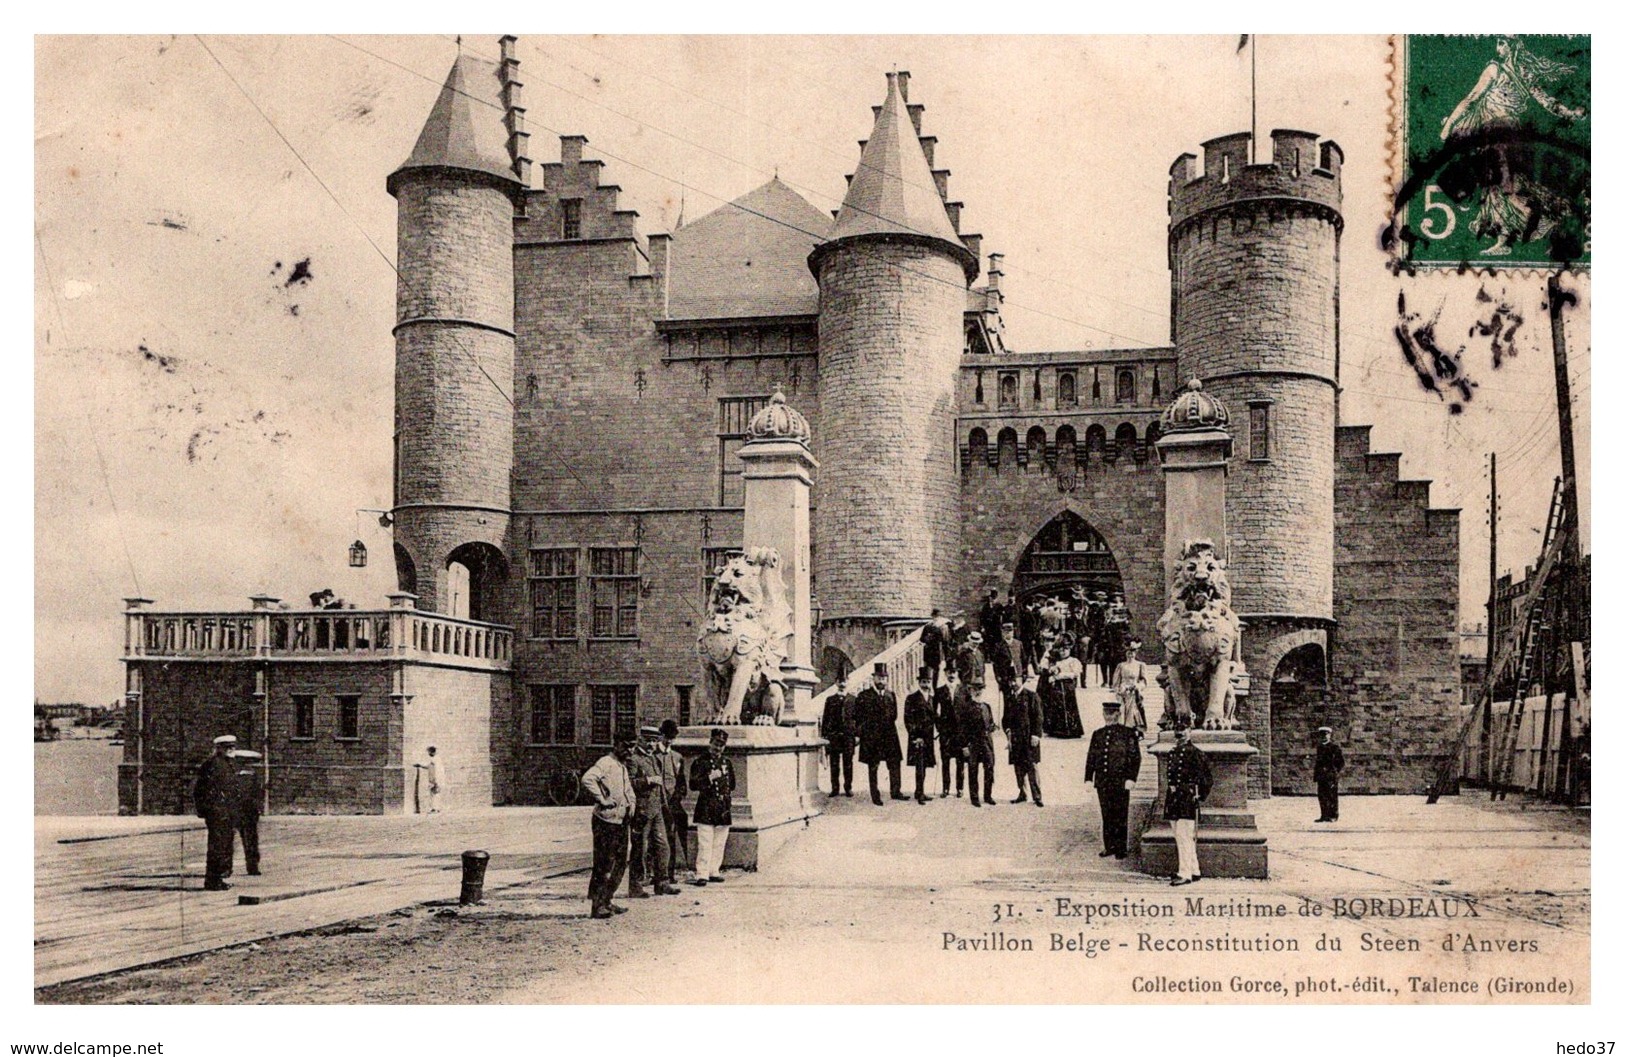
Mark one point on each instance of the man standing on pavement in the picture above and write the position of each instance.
(838, 728)
(1189, 782)
(1328, 766)
(973, 720)
(610, 787)
(674, 777)
(712, 779)
(1023, 721)
(246, 792)
(431, 783)
(650, 849)
(948, 741)
(877, 736)
(212, 799)
(1113, 766)
(919, 720)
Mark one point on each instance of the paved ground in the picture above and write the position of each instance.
(907, 903)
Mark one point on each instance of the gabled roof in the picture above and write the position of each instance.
(893, 191)
(747, 258)
(465, 128)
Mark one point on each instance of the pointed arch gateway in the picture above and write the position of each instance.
(1066, 553)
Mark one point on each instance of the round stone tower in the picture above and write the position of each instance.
(892, 282)
(1254, 255)
(454, 345)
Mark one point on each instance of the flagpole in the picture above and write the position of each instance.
(1252, 40)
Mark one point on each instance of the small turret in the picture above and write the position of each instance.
(454, 340)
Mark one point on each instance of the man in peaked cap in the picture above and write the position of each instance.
(651, 847)
(212, 799)
(1113, 765)
(246, 792)
(1328, 766)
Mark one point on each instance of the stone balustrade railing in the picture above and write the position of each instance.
(399, 632)
(902, 659)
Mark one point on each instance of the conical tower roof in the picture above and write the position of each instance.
(893, 191)
(465, 128)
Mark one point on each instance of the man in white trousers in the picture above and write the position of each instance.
(712, 778)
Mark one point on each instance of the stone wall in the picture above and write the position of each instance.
(890, 337)
(1396, 659)
(466, 716)
(1004, 508)
(454, 356)
(671, 612)
(186, 704)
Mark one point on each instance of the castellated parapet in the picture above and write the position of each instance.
(1254, 254)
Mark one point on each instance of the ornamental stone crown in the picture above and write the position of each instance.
(778, 421)
(1195, 409)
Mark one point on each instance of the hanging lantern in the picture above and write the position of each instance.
(358, 555)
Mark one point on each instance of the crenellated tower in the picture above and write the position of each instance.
(454, 340)
(1254, 252)
(892, 282)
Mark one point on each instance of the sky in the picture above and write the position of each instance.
(214, 294)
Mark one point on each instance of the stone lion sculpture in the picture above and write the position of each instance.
(743, 642)
(1200, 633)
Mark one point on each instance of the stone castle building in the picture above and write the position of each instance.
(572, 393)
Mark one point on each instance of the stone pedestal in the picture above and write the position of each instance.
(776, 792)
(1228, 841)
(778, 514)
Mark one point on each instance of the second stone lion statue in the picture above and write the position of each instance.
(743, 643)
(1200, 632)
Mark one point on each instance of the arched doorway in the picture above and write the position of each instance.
(1299, 702)
(477, 578)
(1067, 555)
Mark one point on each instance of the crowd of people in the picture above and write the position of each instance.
(640, 824)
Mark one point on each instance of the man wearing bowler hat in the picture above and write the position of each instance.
(212, 798)
(1328, 766)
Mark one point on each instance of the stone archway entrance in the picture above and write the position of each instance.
(1067, 555)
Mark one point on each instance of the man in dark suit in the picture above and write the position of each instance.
(948, 741)
(839, 729)
(973, 721)
(877, 736)
(1023, 724)
(919, 720)
(1007, 662)
(1113, 765)
(212, 799)
(934, 645)
(1328, 766)
(245, 806)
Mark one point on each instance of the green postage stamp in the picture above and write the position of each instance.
(1495, 144)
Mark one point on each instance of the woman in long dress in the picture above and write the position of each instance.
(1129, 681)
(1061, 718)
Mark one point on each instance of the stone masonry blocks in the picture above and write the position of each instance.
(890, 336)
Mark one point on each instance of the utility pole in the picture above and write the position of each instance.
(1557, 299)
(1489, 643)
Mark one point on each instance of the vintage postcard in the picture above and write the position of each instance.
(557, 520)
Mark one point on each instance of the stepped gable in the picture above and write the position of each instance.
(465, 128)
(895, 191)
(748, 258)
